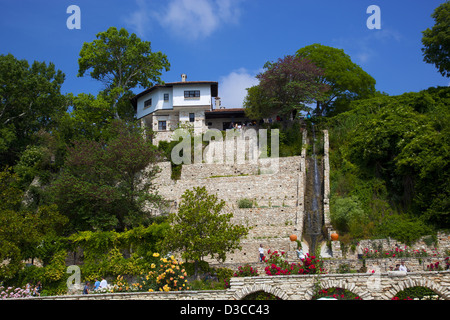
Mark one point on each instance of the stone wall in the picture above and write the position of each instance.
(378, 286)
(277, 198)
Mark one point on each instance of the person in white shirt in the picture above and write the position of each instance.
(261, 252)
(103, 283)
(402, 267)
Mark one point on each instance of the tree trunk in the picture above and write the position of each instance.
(196, 275)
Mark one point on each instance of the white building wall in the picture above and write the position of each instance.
(180, 100)
(158, 102)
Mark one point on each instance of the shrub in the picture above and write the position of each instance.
(336, 293)
(245, 203)
(167, 274)
(14, 293)
(246, 271)
(403, 229)
(276, 264)
(348, 216)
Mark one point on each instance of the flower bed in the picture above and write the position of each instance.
(336, 293)
(398, 252)
(165, 274)
(276, 264)
(14, 293)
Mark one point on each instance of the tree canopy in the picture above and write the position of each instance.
(106, 184)
(122, 61)
(401, 144)
(436, 41)
(345, 80)
(30, 100)
(286, 87)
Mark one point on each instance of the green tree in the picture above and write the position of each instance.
(87, 117)
(30, 100)
(256, 103)
(436, 41)
(346, 80)
(121, 61)
(107, 184)
(21, 229)
(199, 228)
(285, 87)
(404, 141)
(348, 216)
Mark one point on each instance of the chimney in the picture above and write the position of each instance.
(218, 103)
(183, 77)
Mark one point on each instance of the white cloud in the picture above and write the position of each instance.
(192, 19)
(232, 87)
(139, 20)
(364, 49)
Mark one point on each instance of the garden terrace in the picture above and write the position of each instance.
(366, 286)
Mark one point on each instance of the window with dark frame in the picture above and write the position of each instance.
(191, 117)
(162, 125)
(147, 103)
(166, 97)
(192, 94)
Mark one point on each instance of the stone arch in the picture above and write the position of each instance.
(409, 283)
(326, 284)
(242, 293)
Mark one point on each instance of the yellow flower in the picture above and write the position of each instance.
(156, 254)
(150, 290)
(153, 266)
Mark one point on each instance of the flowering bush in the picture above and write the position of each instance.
(336, 293)
(416, 293)
(277, 265)
(434, 267)
(397, 298)
(165, 275)
(122, 285)
(13, 293)
(398, 252)
(246, 271)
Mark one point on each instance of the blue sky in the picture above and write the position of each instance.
(229, 40)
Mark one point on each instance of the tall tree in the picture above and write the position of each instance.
(285, 86)
(30, 100)
(107, 184)
(88, 117)
(122, 62)
(436, 41)
(199, 228)
(345, 79)
(22, 229)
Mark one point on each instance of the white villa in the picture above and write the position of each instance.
(191, 103)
